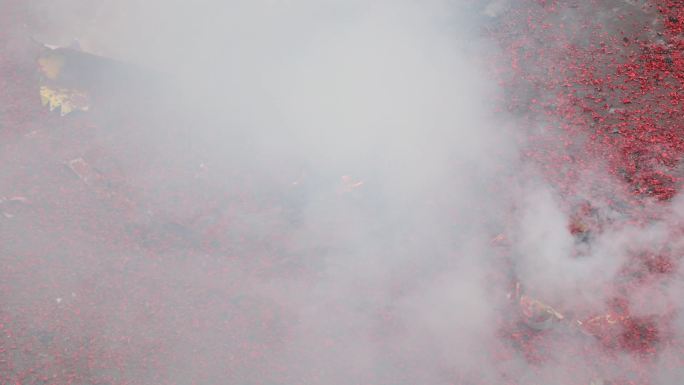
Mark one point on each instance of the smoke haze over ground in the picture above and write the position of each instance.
(319, 192)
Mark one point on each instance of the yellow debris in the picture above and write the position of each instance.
(66, 100)
(535, 307)
(51, 64)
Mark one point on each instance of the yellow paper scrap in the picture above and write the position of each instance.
(65, 99)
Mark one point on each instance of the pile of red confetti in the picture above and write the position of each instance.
(598, 84)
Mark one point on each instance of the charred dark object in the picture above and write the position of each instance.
(100, 77)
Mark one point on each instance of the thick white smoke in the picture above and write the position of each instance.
(372, 132)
